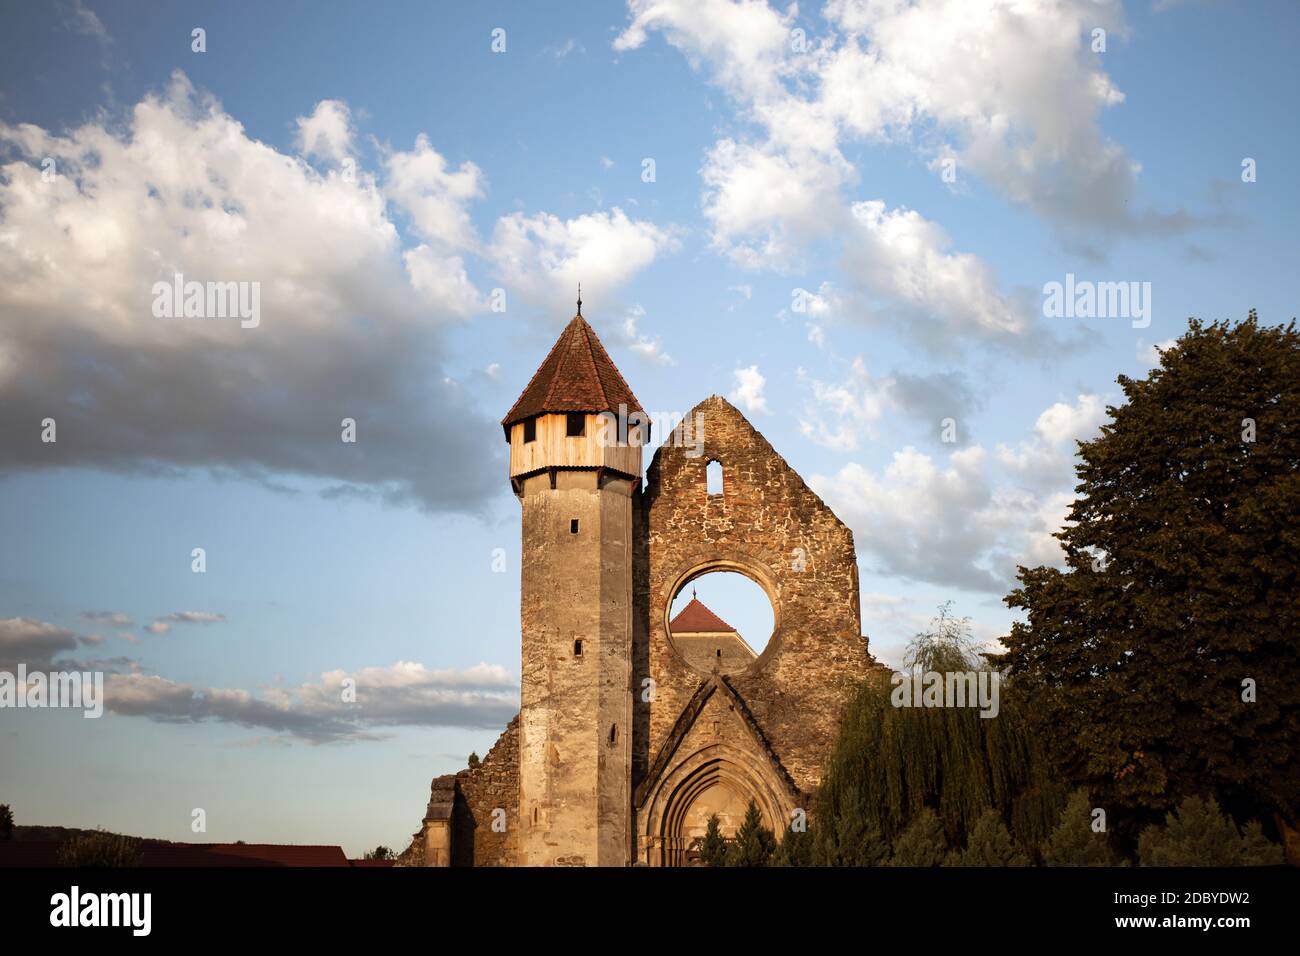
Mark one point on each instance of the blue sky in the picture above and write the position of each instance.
(381, 171)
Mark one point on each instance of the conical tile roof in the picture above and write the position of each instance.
(576, 376)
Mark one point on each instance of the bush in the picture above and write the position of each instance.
(100, 849)
(1199, 834)
(713, 851)
(990, 844)
(754, 843)
(795, 849)
(923, 842)
(1074, 842)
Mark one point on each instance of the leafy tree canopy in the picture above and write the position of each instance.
(1164, 659)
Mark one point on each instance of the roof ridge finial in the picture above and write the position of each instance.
(579, 298)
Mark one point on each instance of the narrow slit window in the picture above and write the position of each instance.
(575, 425)
(577, 648)
(713, 475)
(613, 734)
(573, 526)
(530, 429)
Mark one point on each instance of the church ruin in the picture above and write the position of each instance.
(634, 728)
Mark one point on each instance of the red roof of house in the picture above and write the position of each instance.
(696, 618)
(576, 376)
(241, 854)
(29, 852)
(46, 853)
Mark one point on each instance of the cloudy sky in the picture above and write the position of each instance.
(842, 217)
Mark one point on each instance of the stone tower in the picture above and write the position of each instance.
(636, 726)
(575, 481)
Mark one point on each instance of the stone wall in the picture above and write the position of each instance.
(493, 783)
(769, 525)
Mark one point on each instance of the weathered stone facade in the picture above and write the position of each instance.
(768, 525)
(624, 746)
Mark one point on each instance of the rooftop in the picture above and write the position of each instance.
(577, 375)
(695, 618)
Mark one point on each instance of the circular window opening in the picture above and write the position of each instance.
(720, 622)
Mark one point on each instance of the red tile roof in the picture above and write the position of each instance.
(241, 854)
(696, 618)
(29, 852)
(576, 376)
(46, 853)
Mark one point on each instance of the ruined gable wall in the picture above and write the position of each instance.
(770, 525)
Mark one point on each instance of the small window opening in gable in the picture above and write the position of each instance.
(713, 475)
(577, 648)
(575, 425)
(573, 526)
(530, 429)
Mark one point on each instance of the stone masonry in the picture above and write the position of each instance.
(624, 747)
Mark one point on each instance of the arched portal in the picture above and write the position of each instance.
(717, 779)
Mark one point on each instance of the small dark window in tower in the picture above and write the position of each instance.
(573, 526)
(530, 429)
(575, 425)
(613, 734)
(713, 473)
(719, 652)
(577, 648)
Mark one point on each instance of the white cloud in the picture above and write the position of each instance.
(1047, 458)
(957, 522)
(327, 133)
(403, 694)
(628, 335)
(1149, 354)
(765, 205)
(899, 254)
(563, 50)
(748, 393)
(423, 184)
(111, 618)
(545, 257)
(854, 406)
(1008, 88)
(349, 326)
(841, 414)
(34, 643)
(164, 624)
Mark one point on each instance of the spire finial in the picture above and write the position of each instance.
(580, 298)
(692, 593)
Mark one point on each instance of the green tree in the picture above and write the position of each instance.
(891, 762)
(1163, 658)
(754, 843)
(1074, 842)
(990, 844)
(922, 843)
(795, 849)
(713, 849)
(1198, 834)
(380, 852)
(850, 840)
(6, 822)
(473, 760)
(100, 849)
